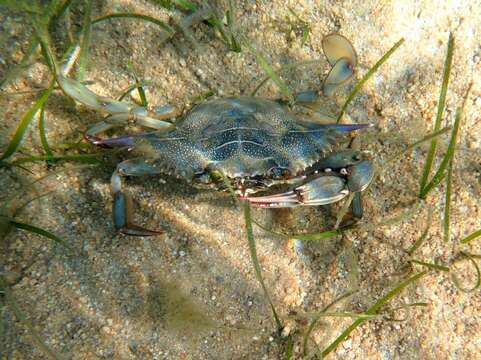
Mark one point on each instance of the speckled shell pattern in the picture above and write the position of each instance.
(241, 137)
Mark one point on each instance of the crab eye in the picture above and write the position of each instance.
(203, 177)
(278, 173)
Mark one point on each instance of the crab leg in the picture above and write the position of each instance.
(336, 46)
(122, 207)
(120, 112)
(342, 57)
(340, 73)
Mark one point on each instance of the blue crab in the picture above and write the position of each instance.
(253, 144)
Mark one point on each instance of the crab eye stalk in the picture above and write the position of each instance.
(278, 173)
(202, 178)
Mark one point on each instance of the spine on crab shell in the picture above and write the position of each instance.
(128, 140)
(346, 127)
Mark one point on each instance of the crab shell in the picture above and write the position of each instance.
(251, 141)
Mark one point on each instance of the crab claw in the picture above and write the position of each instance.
(319, 191)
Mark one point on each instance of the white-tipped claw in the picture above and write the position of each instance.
(319, 191)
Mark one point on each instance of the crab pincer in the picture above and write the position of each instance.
(328, 181)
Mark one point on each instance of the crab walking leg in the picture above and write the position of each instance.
(336, 46)
(122, 207)
(342, 57)
(340, 74)
(357, 210)
(121, 112)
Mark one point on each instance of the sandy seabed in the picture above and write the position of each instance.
(192, 293)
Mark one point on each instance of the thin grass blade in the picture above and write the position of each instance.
(366, 77)
(140, 90)
(45, 46)
(447, 203)
(371, 311)
(43, 132)
(440, 173)
(289, 348)
(405, 306)
(316, 236)
(344, 210)
(84, 41)
(41, 232)
(347, 314)
(352, 263)
(393, 220)
(415, 144)
(257, 267)
(441, 104)
(86, 159)
(316, 319)
(264, 64)
(456, 281)
(424, 235)
(169, 29)
(471, 237)
(284, 69)
(186, 5)
(58, 13)
(430, 265)
(25, 122)
(15, 70)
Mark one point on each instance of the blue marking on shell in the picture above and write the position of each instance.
(242, 137)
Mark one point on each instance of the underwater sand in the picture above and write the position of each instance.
(192, 293)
